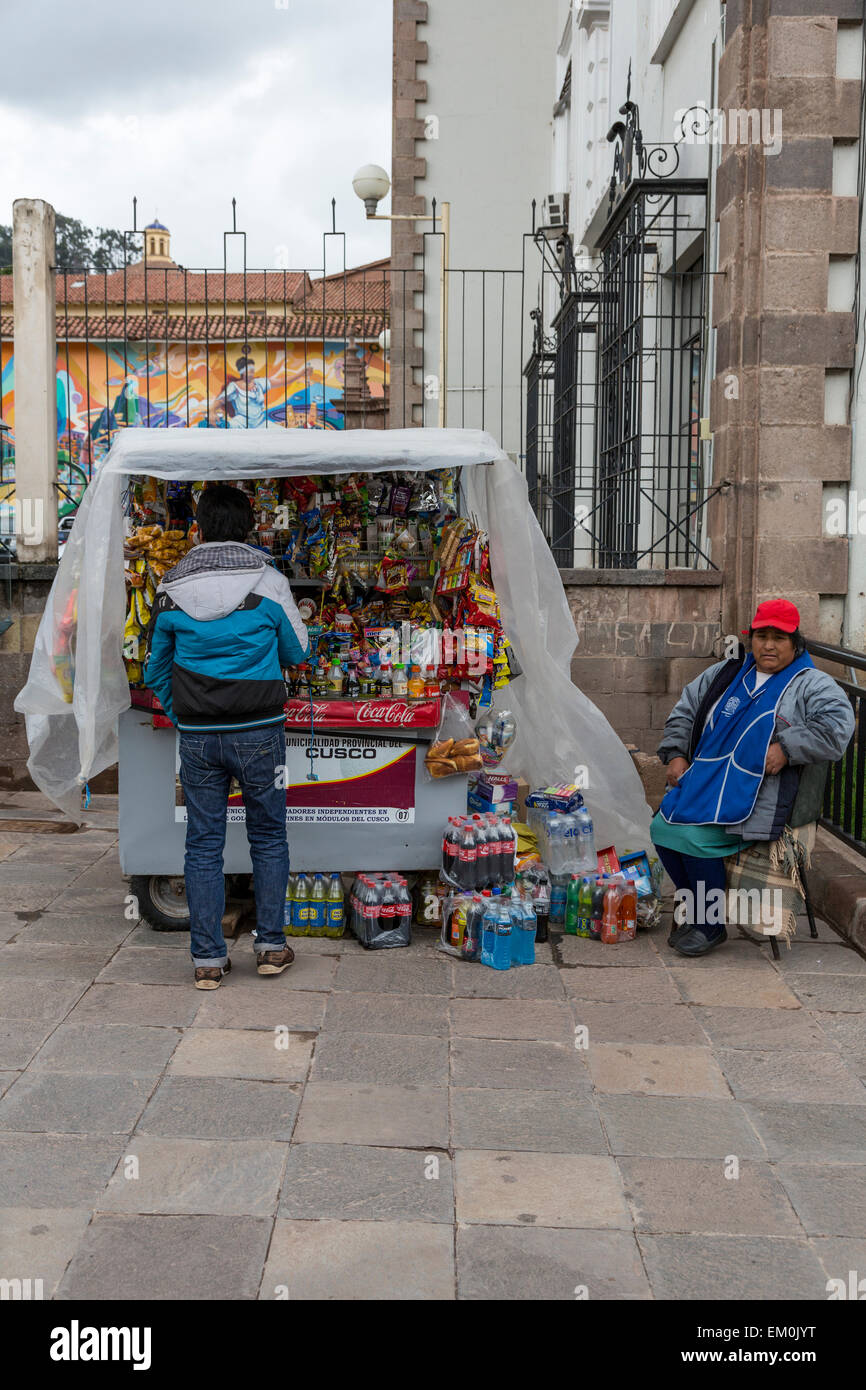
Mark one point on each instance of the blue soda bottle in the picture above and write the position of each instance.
(488, 928)
(514, 907)
(527, 933)
(501, 935)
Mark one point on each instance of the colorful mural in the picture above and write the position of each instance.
(105, 387)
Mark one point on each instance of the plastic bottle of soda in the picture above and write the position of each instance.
(597, 908)
(628, 912)
(558, 892)
(468, 857)
(488, 926)
(301, 907)
(481, 831)
(451, 850)
(508, 850)
(290, 897)
(541, 906)
(572, 912)
(471, 949)
(584, 908)
(494, 848)
(610, 916)
(318, 911)
(514, 907)
(388, 906)
(502, 933)
(404, 908)
(527, 932)
(336, 919)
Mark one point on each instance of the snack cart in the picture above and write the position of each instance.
(358, 795)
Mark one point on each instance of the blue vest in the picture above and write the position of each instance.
(722, 783)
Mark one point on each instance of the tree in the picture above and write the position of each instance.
(78, 247)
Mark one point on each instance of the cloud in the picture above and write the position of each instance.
(190, 104)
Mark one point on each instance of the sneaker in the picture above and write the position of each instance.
(275, 962)
(210, 977)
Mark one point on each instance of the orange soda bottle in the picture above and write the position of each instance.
(610, 915)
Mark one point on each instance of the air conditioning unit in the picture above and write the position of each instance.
(554, 212)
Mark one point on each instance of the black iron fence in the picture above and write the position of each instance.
(844, 810)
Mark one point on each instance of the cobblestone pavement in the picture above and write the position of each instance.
(399, 1125)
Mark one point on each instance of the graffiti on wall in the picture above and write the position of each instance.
(105, 387)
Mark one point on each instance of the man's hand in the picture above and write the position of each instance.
(676, 768)
(776, 760)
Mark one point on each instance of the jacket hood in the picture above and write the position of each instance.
(213, 580)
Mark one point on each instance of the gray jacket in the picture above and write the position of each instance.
(814, 723)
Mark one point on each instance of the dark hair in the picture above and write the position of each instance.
(224, 514)
(796, 637)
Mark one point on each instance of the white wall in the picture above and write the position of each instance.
(491, 84)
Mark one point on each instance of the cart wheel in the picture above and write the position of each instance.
(162, 901)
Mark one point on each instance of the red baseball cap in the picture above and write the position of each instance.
(777, 612)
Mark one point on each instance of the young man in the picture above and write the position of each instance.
(223, 625)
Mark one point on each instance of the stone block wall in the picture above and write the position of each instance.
(23, 602)
(642, 636)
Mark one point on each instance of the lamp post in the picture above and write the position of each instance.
(371, 183)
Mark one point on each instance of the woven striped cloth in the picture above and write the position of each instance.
(765, 891)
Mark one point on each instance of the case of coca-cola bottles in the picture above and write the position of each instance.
(380, 911)
(478, 852)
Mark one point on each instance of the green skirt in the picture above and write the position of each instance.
(699, 841)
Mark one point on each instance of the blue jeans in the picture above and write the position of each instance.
(207, 764)
(688, 872)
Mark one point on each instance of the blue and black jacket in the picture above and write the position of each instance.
(223, 624)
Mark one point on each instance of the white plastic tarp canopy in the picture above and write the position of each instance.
(559, 729)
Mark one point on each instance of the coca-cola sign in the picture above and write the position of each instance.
(354, 714)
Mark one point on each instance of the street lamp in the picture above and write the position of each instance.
(371, 183)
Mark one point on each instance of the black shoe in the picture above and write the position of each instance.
(678, 932)
(695, 943)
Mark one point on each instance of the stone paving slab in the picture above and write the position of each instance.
(404, 1261)
(581, 950)
(830, 993)
(243, 1052)
(689, 1196)
(526, 982)
(841, 1257)
(363, 1012)
(6, 1079)
(528, 1019)
(548, 1264)
(255, 1005)
(339, 1112)
(74, 1103)
(656, 1070)
(689, 1267)
(382, 1059)
(159, 1006)
(20, 1040)
(57, 929)
(39, 1242)
(239, 1177)
(544, 1066)
(221, 1107)
(762, 1030)
(519, 1119)
(55, 1170)
(623, 986)
(826, 960)
(160, 1258)
(378, 972)
(829, 1199)
(354, 1182)
(821, 1133)
(538, 1189)
(146, 965)
(848, 1033)
(799, 1076)
(37, 1000)
(103, 1048)
(742, 989)
(48, 962)
(669, 1127)
(639, 1023)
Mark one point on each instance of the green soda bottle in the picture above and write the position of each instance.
(571, 911)
(584, 908)
(335, 910)
(301, 908)
(318, 911)
(290, 899)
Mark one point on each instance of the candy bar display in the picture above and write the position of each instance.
(394, 587)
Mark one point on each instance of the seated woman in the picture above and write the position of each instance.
(734, 745)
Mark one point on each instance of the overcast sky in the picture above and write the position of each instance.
(188, 103)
